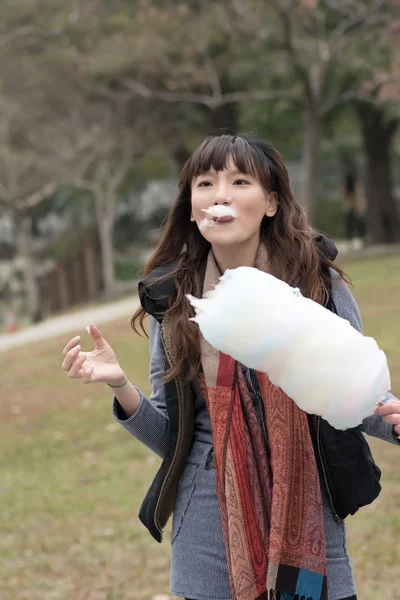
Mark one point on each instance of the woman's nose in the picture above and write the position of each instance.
(222, 196)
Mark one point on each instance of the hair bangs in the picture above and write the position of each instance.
(214, 154)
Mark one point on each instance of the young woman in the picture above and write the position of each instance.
(258, 489)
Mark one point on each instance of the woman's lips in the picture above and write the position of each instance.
(226, 219)
(217, 214)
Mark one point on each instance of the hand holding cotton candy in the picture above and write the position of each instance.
(317, 358)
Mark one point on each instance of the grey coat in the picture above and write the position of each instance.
(198, 568)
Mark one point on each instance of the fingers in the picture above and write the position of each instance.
(74, 361)
(393, 419)
(390, 412)
(96, 336)
(75, 370)
(391, 406)
(71, 344)
(70, 357)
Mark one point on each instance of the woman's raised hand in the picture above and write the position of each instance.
(99, 365)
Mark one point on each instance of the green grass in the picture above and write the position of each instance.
(72, 481)
(374, 533)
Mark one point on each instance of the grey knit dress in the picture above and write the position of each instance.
(198, 563)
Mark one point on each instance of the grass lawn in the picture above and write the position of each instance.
(72, 481)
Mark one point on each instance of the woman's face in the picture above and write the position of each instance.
(241, 192)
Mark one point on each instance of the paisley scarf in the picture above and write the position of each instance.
(267, 479)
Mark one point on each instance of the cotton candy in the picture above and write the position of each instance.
(214, 212)
(317, 358)
(219, 210)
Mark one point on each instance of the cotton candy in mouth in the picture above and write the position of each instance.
(205, 224)
(215, 212)
(219, 210)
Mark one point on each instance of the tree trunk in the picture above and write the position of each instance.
(312, 143)
(378, 133)
(90, 271)
(105, 223)
(24, 248)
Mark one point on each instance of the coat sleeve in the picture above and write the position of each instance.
(150, 423)
(347, 308)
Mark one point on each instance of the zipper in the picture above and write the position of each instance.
(156, 521)
(335, 514)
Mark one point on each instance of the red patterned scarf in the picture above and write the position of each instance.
(269, 498)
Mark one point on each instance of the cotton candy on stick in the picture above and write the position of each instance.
(317, 358)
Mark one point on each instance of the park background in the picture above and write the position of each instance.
(100, 105)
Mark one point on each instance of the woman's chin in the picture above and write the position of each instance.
(226, 235)
(225, 241)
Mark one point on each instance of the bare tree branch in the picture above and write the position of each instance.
(4, 196)
(247, 21)
(283, 10)
(213, 77)
(212, 102)
(42, 194)
(29, 31)
(18, 33)
(85, 184)
(362, 18)
(336, 101)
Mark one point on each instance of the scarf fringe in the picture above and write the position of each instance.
(276, 595)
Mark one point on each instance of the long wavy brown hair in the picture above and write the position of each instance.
(294, 256)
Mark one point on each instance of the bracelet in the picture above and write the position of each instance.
(118, 386)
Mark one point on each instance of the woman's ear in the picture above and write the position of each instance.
(272, 204)
(192, 217)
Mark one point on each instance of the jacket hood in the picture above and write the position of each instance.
(326, 247)
(157, 289)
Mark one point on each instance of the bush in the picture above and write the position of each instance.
(128, 271)
(330, 218)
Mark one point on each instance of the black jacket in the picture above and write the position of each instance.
(344, 459)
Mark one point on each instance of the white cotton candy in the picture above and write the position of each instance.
(214, 212)
(205, 224)
(219, 210)
(317, 358)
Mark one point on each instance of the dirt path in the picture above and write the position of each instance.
(125, 308)
(74, 322)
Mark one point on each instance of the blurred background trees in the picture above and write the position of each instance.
(102, 102)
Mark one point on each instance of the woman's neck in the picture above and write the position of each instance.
(241, 255)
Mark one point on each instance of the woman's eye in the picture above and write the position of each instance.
(204, 184)
(241, 182)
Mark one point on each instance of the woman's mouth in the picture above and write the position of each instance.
(217, 214)
(226, 219)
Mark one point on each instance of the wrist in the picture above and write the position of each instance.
(118, 381)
